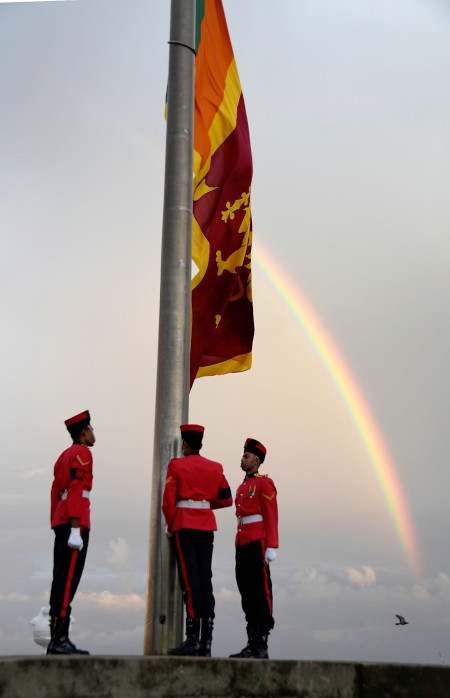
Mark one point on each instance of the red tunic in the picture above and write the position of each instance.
(257, 495)
(194, 477)
(72, 475)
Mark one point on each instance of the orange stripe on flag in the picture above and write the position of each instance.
(214, 57)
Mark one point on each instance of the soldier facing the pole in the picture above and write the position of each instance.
(194, 487)
(70, 521)
(256, 540)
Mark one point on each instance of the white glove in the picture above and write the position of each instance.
(75, 539)
(270, 555)
(168, 534)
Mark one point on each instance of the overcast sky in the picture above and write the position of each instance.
(348, 106)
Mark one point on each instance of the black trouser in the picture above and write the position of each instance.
(255, 585)
(194, 558)
(68, 565)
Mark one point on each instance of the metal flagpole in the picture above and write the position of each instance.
(164, 615)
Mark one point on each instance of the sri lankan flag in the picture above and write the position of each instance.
(222, 308)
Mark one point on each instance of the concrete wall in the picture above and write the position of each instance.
(157, 677)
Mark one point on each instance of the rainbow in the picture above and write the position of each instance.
(352, 397)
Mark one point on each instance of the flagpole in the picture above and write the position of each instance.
(164, 613)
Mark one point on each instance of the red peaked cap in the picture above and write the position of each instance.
(79, 421)
(192, 434)
(254, 446)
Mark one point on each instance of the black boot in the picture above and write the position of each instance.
(59, 642)
(247, 650)
(259, 645)
(190, 647)
(206, 637)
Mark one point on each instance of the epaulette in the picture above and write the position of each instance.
(260, 475)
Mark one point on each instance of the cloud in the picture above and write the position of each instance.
(126, 641)
(36, 472)
(362, 579)
(224, 594)
(106, 599)
(119, 556)
(434, 591)
(13, 596)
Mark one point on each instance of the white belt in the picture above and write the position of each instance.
(86, 494)
(253, 518)
(193, 504)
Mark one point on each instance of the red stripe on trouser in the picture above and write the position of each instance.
(266, 573)
(69, 580)
(187, 587)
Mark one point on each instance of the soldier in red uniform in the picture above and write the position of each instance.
(70, 521)
(256, 540)
(194, 487)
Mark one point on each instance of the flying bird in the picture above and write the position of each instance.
(401, 620)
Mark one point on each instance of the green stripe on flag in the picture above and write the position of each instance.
(199, 14)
